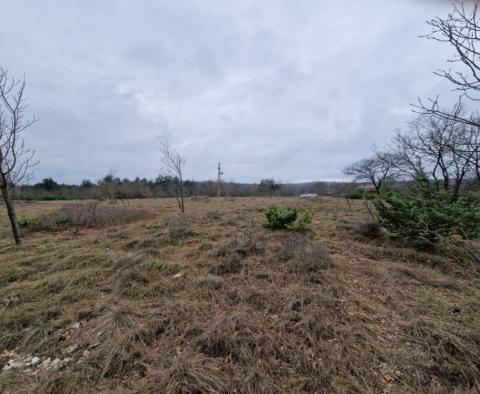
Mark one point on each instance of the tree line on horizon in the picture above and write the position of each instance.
(111, 187)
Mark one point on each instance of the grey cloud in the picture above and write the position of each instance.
(291, 90)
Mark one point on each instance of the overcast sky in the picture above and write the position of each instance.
(293, 90)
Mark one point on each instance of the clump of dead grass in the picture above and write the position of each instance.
(228, 264)
(302, 256)
(251, 242)
(228, 336)
(122, 330)
(210, 282)
(451, 353)
(83, 379)
(213, 216)
(180, 227)
(186, 373)
(261, 378)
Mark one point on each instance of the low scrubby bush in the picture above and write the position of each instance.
(180, 227)
(291, 246)
(286, 218)
(90, 214)
(371, 230)
(279, 218)
(302, 255)
(253, 239)
(25, 221)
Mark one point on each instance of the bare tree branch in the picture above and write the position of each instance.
(173, 164)
(16, 160)
(376, 169)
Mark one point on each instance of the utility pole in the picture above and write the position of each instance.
(219, 179)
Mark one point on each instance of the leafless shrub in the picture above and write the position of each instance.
(174, 163)
(292, 246)
(180, 227)
(251, 242)
(88, 215)
(229, 264)
(302, 255)
(253, 239)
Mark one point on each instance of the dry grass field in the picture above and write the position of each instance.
(216, 303)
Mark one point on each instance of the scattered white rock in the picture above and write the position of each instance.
(179, 275)
(56, 362)
(31, 363)
(46, 362)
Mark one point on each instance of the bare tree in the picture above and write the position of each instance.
(173, 164)
(376, 169)
(444, 149)
(473, 148)
(460, 29)
(16, 161)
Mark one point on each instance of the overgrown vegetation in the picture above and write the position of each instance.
(87, 215)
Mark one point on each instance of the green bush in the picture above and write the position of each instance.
(301, 224)
(279, 218)
(355, 194)
(360, 194)
(425, 216)
(286, 218)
